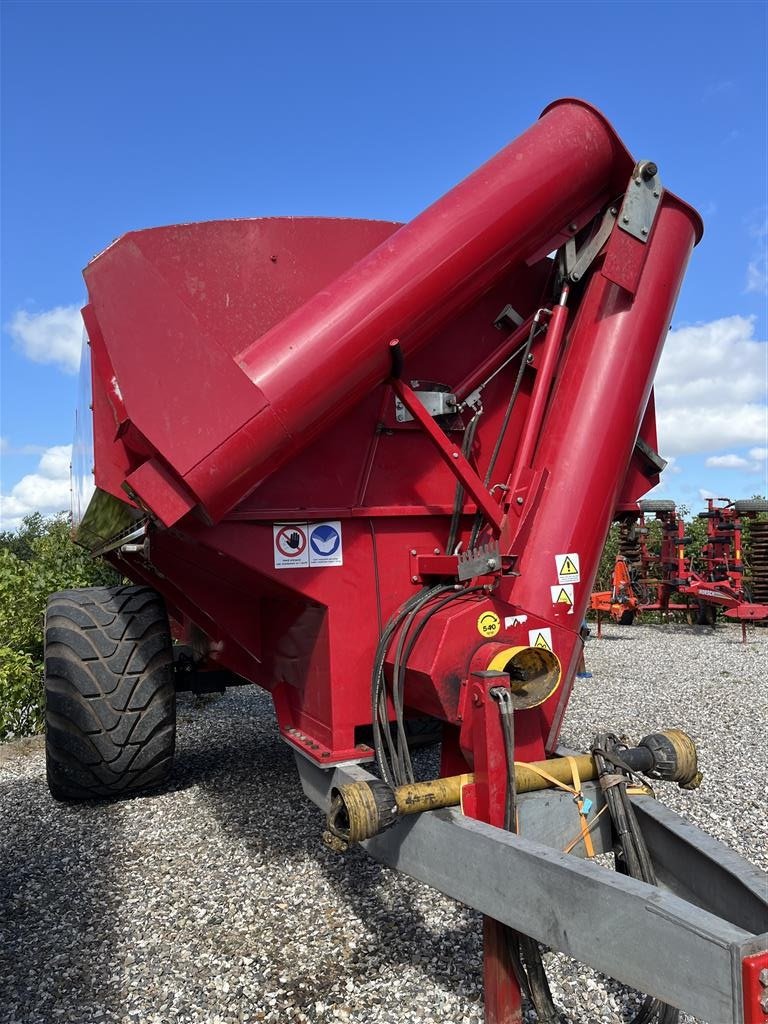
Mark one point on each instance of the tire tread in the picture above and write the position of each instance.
(110, 695)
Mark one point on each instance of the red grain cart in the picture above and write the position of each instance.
(364, 466)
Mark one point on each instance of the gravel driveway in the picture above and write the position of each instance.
(215, 901)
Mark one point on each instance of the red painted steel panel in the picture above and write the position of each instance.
(754, 980)
(176, 303)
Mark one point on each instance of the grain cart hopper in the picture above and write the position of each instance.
(370, 467)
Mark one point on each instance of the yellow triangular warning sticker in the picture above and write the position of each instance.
(568, 568)
(563, 597)
(541, 642)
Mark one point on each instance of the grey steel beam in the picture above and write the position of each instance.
(550, 816)
(702, 870)
(644, 936)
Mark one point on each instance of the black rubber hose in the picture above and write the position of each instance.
(403, 654)
(404, 772)
(380, 719)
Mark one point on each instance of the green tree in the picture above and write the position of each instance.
(35, 561)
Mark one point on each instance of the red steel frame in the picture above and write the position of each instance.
(243, 377)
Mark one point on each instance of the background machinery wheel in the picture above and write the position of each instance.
(627, 618)
(110, 697)
(706, 614)
(657, 505)
(751, 505)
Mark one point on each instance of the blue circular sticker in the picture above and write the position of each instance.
(325, 540)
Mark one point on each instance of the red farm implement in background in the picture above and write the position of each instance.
(672, 580)
(362, 465)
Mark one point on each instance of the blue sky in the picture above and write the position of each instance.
(124, 115)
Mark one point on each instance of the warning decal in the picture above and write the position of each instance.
(289, 541)
(562, 594)
(488, 624)
(540, 638)
(301, 545)
(325, 544)
(514, 620)
(567, 567)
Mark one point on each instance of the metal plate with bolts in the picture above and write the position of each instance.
(641, 202)
(479, 561)
(437, 403)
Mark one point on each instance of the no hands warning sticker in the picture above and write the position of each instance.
(562, 595)
(567, 567)
(290, 545)
(541, 638)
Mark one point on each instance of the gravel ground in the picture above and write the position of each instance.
(214, 901)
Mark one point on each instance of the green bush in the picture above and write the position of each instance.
(35, 561)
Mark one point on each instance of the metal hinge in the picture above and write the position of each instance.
(577, 263)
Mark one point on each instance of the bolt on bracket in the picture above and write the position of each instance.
(641, 201)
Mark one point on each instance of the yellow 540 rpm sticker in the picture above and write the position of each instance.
(488, 624)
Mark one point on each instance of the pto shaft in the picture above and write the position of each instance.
(361, 810)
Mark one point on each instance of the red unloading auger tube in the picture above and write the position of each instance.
(594, 416)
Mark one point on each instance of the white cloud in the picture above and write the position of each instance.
(47, 490)
(6, 448)
(704, 494)
(53, 336)
(711, 388)
(733, 461)
(726, 462)
(758, 454)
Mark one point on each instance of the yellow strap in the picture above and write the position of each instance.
(574, 773)
(575, 842)
(580, 804)
(575, 791)
(547, 776)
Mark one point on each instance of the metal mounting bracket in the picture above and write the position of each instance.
(436, 402)
(641, 201)
(452, 455)
(479, 561)
(586, 255)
